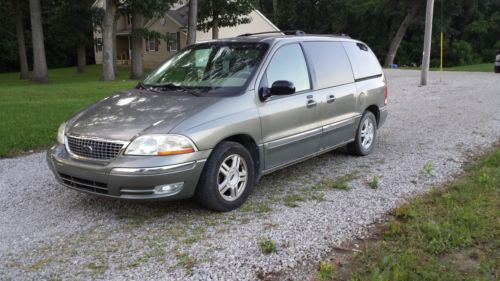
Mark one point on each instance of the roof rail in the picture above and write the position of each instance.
(286, 32)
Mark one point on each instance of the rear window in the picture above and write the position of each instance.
(330, 62)
(364, 62)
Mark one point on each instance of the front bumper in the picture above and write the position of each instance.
(129, 177)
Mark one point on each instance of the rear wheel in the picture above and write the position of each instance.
(227, 178)
(365, 135)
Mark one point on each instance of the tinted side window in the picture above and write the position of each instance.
(364, 63)
(288, 63)
(330, 63)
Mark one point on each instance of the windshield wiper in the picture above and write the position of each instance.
(148, 87)
(172, 86)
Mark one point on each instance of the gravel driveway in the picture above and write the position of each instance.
(50, 232)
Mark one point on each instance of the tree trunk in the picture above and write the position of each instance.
(115, 54)
(40, 71)
(81, 58)
(108, 72)
(192, 21)
(275, 11)
(137, 70)
(23, 59)
(398, 38)
(215, 25)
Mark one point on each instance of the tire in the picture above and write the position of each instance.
(235, 191)
(497, 69)
(362, 146)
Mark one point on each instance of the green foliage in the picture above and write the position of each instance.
(147, 8)
(341, 182)
(326, 271)
(267, 245)
(471, 28)
(228, 13)
(427, 169)
(449, 234)
(376, 21)
(291, 200)
(373, 183)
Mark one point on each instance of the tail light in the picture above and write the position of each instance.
(386, 95)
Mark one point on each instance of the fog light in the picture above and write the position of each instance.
(169, 188)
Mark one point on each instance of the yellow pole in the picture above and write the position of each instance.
(441, 64)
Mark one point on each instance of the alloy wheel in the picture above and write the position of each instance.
(232, 177)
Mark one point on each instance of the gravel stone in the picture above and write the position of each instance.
(50, 232)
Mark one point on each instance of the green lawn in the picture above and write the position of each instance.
(452, 233)
(483, 67)
(31, 113)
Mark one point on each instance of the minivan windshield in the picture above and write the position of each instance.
(220, 68)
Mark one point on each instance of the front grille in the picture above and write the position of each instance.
(95, 149)
(84, 184)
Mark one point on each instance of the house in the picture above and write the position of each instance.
(174, 25)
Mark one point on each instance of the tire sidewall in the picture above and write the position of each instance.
(362, 150)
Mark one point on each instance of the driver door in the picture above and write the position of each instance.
(291, 125)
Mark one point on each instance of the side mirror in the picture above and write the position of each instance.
(279, 88)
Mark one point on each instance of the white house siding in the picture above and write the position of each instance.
(259, 23)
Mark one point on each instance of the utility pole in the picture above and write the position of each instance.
(192, 21)
(427, 43)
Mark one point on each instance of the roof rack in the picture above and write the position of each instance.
(296, 33)
(286, 32)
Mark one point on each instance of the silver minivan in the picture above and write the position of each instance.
(218, 115)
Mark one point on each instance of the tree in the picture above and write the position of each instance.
(192, 21)
(214, 14)
(108, 53)
(139, 10)
(77, 16)
(21, 44)
(40, 71)
(413, 9)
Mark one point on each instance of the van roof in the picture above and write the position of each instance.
(271, 37)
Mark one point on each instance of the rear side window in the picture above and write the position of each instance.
(364, 62)
(330, 63)
(288, 64)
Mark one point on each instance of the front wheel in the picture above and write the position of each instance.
(227, 178)
(365, 136)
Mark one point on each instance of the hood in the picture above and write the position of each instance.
(125, 115)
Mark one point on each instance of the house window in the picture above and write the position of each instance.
(152, 45)
(129, 19)
(98, 44)
(173, 41)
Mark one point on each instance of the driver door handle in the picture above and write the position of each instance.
(311, 102)
(331, 98)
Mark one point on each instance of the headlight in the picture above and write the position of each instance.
(160, 145)
(60, 133)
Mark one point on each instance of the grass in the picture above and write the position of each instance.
(451, 233)
(373, 183)
(326, 270)
(341, 182)
(292, 200)
(427, 169)
(31, 113)
(482, 67)
(267, 245)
